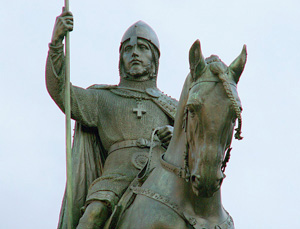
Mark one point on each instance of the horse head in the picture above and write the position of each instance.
(211, 111)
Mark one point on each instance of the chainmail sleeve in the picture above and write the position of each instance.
(84, 102)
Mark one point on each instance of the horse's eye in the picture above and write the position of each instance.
(192, 112)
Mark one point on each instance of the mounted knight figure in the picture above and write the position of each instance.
(184, 189)
(113, 122)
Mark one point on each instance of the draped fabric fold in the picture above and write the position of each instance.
(88, 157)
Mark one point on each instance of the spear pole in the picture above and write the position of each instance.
(68, 126)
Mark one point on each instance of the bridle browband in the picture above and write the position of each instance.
(205, 81)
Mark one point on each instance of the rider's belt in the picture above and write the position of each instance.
(141, 143)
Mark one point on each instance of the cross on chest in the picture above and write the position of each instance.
(139, 110)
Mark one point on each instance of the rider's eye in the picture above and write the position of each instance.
(128, 48)
(143, 47)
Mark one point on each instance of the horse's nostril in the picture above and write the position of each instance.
(221, 178)
(195, 179)
(220, 181)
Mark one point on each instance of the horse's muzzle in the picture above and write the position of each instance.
(205, 187)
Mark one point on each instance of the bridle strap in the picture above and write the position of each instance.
(212, 80)
(180, 172)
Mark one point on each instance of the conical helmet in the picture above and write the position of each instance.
(140, 30)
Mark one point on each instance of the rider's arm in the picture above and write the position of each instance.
(84, 102)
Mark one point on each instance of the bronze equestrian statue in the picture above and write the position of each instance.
(113, 122)
(183, 191)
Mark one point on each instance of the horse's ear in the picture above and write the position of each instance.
(238, 65)
(197, 61)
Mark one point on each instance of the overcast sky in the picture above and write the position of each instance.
(262, 186)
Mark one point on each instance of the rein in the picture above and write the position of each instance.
(143, 174)
(180, 172)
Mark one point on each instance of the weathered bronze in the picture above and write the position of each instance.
(122, 132)
(113, 122)
(183, 191)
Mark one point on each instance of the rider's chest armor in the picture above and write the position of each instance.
(125, 118)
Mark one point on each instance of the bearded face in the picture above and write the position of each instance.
(137, 60)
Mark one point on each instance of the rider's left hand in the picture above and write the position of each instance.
(165, 134)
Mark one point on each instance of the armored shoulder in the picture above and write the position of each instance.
(165, 102)
(168, 99)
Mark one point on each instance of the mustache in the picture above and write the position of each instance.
(135, 60)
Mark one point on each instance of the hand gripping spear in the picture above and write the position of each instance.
(68, 126)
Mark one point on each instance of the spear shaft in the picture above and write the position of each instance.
(68, 126)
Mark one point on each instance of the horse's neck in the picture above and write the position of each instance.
(176, 150)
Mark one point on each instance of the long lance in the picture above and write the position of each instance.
(68, 126)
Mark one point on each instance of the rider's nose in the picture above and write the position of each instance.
(134, 51)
